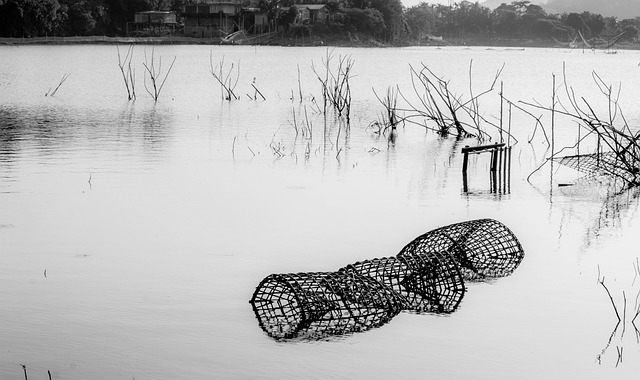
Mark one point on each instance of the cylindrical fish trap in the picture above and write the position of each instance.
(315, 305)
(483, 248)
(427, 282)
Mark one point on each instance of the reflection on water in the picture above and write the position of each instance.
(54, 129)
(617, 338)
(154, 220)
(153, 126)
(617, 208)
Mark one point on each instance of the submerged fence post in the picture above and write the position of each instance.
(465, 160)
(509, 173)
(500, 162)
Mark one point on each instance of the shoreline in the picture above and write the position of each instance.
(331, 41)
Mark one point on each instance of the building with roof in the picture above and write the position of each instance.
(212, 18)
(311, 13)
(153, 23)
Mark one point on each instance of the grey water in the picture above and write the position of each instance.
(133, 233)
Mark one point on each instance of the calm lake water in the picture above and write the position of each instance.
(133, 233)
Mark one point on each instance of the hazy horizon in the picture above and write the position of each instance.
(410, 3)
(623, 9)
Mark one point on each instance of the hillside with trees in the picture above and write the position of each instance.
(383, 21)
(623, 9)
(32, 18)
(467, 22)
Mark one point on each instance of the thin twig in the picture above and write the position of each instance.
(615, 309)
(155, 74)
(64, 78)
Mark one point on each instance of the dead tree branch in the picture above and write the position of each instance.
(128, 74)
(451, 113)
(225, 79)
(155, 74)
(336, 90)
(622, 157)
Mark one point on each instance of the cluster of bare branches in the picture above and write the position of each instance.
(438, 104)
(155, 74)
(437, 107)
(336, 91)
(618, 147)
(303, 127)
(52, 93)
(256, 92)
(336, 94)
(389, 118)
(128, 74)
(226, 78)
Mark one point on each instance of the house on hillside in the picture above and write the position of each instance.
(254, 20)
(312, 13)
(212, 18)
(153, 23)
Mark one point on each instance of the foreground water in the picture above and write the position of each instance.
(132, 234)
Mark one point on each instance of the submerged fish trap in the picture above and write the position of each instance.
(427, 282)
(483, 248)
(315, 305)
(620, 165)
(426, 276)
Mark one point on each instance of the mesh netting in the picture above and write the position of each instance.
(620, 165)
(429, 282)
(426, 276)
(312, 305)
(483, 248)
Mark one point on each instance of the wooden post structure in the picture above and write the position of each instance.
(500, 160)
(479, 149)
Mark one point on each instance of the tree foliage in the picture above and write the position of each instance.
(394, 20)
(31, 18)
(421, 19)
(28, 18)
(368, 20)
(385, 20)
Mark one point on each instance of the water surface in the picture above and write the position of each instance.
(133, 233)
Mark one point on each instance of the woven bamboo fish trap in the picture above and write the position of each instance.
(316, 305)
(623, 165)
(427, 282)
(483, 248)
(426, 276)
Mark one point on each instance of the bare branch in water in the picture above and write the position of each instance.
(438, 104)
(52, 93)
(227, 85)
(128, 75)
(336, 89)
(155, 74)
(615, 309)
(621, 158)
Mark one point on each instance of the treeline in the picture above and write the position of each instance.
(35, 18)
(385, 20)
(517, 20)
(381, 19)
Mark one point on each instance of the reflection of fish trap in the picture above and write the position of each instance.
(429, 281)
(319, 304)
(483, 248)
